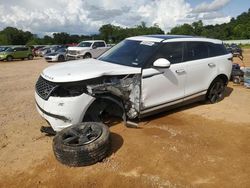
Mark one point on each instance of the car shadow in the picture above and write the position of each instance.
(116, 141)
(228, 91)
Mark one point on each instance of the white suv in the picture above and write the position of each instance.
(140, 76)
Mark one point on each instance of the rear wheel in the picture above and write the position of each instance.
(216, 91)
(30, 57)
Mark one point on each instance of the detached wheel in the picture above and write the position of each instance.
(9, 58)
(82, 144)
(216, 91)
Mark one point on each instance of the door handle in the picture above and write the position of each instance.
(211, 65)
(180, 71)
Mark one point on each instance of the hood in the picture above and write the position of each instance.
(76, 48)
(52, 54)
(78, 70)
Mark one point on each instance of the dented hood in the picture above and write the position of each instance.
(85, 69)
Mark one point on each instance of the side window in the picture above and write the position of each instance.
(101, 44)
(216, 49)
(196, 50)
(17, 49)
(172, 51)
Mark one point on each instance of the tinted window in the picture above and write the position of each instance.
(171, 51)
(99, 44)
(216, 49)
(196, 50)
(130, 53)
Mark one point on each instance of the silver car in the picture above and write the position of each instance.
(59, 55)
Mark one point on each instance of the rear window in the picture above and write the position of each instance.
(196, 50)
(216, 49)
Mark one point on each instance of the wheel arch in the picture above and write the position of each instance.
(223, 77)
(110, 99)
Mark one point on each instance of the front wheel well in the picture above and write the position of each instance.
(105, 107)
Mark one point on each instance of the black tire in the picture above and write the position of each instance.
(61, 58)
(9, 58)
(87, 55)
(236, 80)
(82, 144)
(30, 57)
(216, 91)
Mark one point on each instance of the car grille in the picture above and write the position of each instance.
(44, 88)
(72, 52)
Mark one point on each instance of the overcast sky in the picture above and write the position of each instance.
(86, 16)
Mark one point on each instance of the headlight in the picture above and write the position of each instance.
(69, 90)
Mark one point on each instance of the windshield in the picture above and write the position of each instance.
(9, 50)
(84, 44)
(61, 50)
(130, 53)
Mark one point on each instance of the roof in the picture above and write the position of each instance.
(172, 38)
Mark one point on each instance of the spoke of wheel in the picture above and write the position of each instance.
(83, 139)
(70, 139)
(74, 132)
(85, 129)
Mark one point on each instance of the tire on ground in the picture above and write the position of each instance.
(78, 154)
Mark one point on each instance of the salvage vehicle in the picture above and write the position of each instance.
(138, 77)
(59, 55)
(87, 49)
(16, 53)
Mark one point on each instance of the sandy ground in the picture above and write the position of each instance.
(200, 145)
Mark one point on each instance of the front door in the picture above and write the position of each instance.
(163, 87)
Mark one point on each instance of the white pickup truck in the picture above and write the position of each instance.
(87, 49)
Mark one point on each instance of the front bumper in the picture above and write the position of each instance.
(62, 112)
(2, 57)
(73, 57)
(51, 58)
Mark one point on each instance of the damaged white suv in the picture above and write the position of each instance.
(140, 76)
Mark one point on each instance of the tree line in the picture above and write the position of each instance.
(237, 28)
(110, 33)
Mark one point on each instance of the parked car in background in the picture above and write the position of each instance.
(16, 53)
(138, 77)
(42, 51)
(34, 50)
(59, 55)
(87, 49)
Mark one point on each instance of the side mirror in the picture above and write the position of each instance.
(94, 47)
(14, 50)
(161, 63)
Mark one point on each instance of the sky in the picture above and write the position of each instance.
(45, 17)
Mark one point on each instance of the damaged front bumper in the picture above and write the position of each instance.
(62, 112)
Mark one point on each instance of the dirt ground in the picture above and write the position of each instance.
(200, 145)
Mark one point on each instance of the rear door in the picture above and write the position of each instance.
(200, 68)
(163, 87)
(99, 49)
